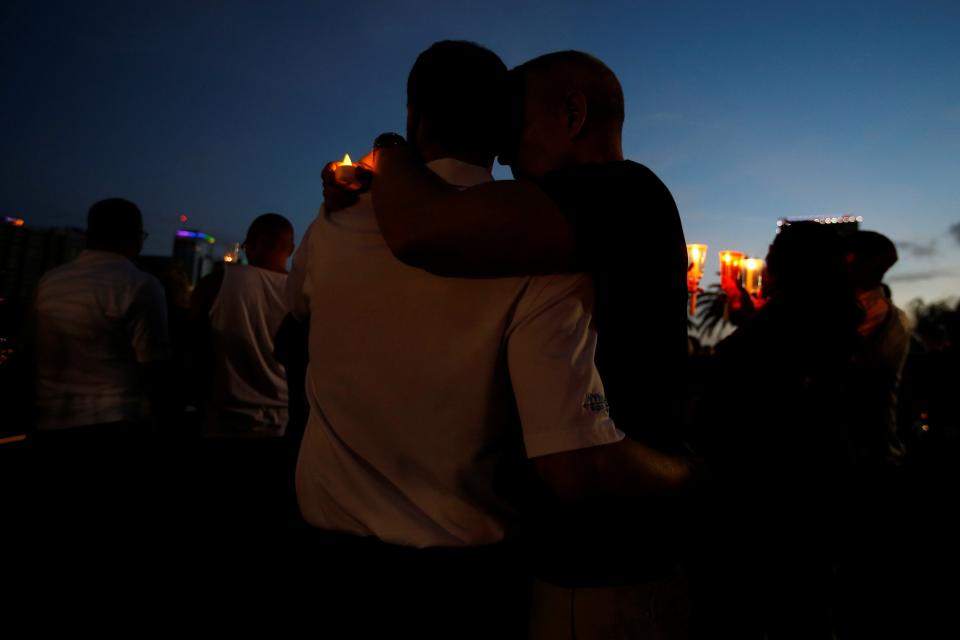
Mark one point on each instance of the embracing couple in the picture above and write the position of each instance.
(495, 367)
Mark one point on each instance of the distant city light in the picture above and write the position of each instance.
(199, 235)
(183, 218)
(845, 219)
(17, 222)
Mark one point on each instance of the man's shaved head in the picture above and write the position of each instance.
(555, 75)
(569, 110)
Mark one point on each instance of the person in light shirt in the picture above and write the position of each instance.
(101, 325)
(101, 347)
(237, 312)
(243, 306)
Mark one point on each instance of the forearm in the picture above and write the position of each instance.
(633, 468)
(494, 229)
(626, 468)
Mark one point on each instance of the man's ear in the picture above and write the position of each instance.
(576, 107)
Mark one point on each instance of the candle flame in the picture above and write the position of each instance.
(346, 160)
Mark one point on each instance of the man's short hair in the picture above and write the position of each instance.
(566, 70)
(458, 91)
(114, 223)
(268, 228)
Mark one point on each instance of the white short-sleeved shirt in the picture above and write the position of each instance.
(250, 386)
(97, 318)
(422, 388)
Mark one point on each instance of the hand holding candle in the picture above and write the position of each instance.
(346, 172)
(730, 266)
(344, 181)
(354, 176)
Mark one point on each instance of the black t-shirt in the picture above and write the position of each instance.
(629, 237)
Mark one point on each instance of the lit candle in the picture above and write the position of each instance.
(730, 270)
(345, 171)
(696, 255)
(753, 276)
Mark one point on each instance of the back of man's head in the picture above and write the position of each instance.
(269, 241)
(807, 257)
(456, 100)
(869, 256)
(115, 225)
(555, 76)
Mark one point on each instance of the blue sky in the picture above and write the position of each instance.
(748, 111)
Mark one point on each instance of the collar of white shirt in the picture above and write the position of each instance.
(459, 173)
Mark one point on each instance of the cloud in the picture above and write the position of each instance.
(919, 249)
(955, 230)
(920, 276)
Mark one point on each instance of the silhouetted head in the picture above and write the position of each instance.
(809, 280)
(269, 242)
(805, 258)
(572, 112)
(456, 101)
(115, 225)
(869, 256)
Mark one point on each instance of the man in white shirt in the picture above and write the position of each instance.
(417, 383)
(243, 305)
(100, 324)
(101, 340)
(237, 312)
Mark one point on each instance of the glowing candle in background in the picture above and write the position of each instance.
(696, 257)
(752, 271)
(233, 255)
(730, 263)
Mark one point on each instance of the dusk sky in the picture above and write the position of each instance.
(747, 111)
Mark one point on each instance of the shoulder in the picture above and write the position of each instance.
(57, 273)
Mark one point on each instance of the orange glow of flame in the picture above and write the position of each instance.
(368, 161)
(346, 161)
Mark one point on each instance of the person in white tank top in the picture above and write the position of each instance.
(244, 306)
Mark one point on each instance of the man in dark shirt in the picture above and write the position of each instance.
(577, 205)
